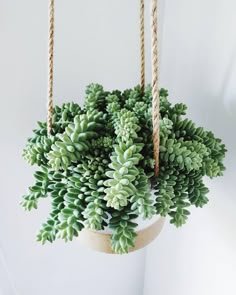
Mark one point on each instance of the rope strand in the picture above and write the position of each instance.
(142, 44)
(50, 66)
(155, 91)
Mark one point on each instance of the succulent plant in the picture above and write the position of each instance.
(97, 165)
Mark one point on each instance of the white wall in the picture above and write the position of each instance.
(97, 41)
(198, 67)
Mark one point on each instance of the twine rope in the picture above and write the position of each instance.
(155, 91)
(142, 45)
(50, 67)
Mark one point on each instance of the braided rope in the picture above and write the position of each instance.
(50, 66)
(142, 44)
(155, 92)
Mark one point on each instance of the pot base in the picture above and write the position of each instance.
(100, 241)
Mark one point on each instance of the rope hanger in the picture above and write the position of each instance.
(155, 92)
(50, 66)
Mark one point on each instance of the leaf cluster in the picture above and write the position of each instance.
(97, 165)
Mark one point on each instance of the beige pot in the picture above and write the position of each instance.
(100, 241)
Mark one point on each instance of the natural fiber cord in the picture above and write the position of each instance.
(142, 45)
(50, 66)
(155, 91)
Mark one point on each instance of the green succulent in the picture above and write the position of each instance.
(126, 126)
(142, 202)
(95, 214)
(123, 237)
(123, 174)
(36, 152)
(75, 141)
(97, 165)
(95, 97)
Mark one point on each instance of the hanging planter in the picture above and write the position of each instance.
(146, 232)
(125, 155)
